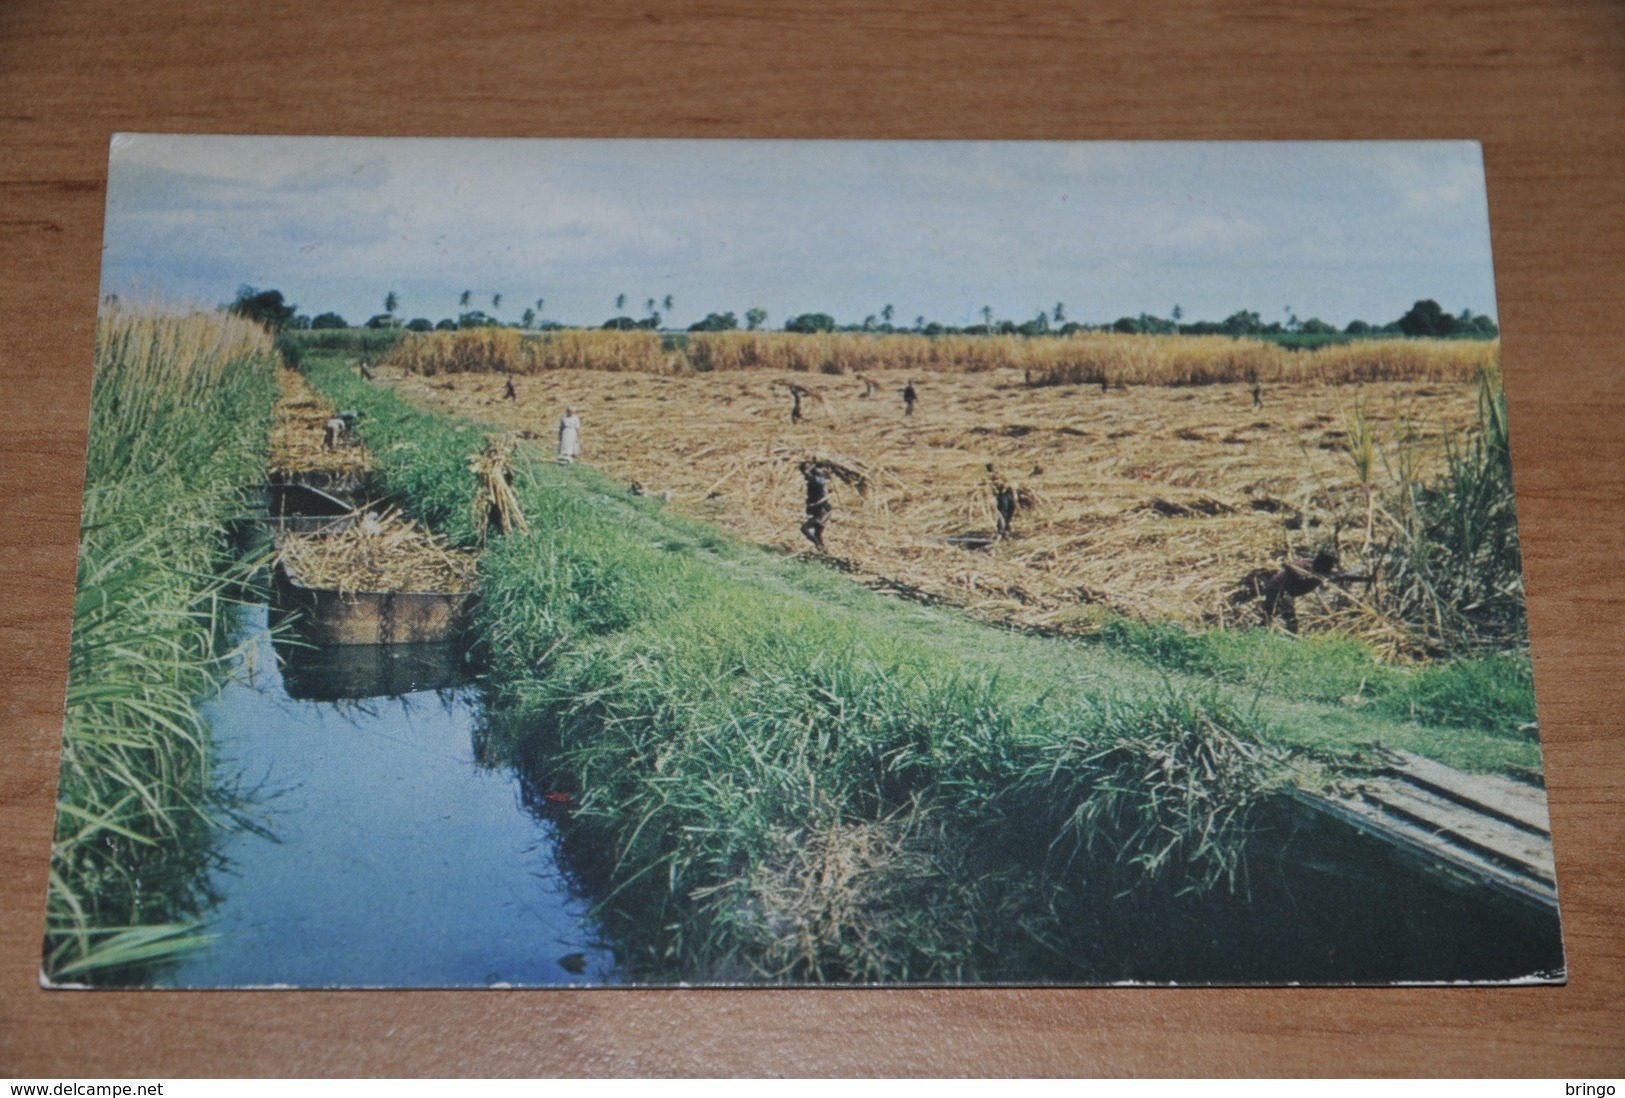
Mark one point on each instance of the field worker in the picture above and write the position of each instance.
(1258, 395)
(869, 388)
(909, 398)
(569, 436)
(819, 506)
(1004, 499)
(1298, 578)
(366, 374)
(796, 393)
(509, 392)
(333, 433)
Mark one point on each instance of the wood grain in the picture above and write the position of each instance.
(1539, 83)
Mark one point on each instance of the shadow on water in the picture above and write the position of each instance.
(381, 846)
(1322, 904)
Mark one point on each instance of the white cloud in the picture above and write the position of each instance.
(936, 228)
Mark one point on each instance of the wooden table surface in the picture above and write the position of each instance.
(1540, 84)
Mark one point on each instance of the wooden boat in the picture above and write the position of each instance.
(331, 617)
(303, 509)
(352, 489)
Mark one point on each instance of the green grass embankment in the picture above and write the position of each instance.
(179, 413)
(781, 775)
(1486, 703)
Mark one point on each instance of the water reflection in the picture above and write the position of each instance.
(383, 847)
(369, 671)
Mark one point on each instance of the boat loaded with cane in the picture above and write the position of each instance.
(353, 570)
(381, 581)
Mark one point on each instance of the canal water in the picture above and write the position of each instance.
(384, 851)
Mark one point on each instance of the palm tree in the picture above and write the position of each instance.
(391, 303)
(667, 303)
(465, 298)
(886, 314)
(528, 319)
(620, 303)
(1059, 313)
(496, 302)
(987, 317)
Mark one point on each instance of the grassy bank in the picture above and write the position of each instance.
(1085, 358)
(1492, 694)
(778, 774)
(179, 409)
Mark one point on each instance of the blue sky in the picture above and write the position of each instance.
(1337, 230)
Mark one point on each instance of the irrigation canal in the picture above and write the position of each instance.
(391, 854)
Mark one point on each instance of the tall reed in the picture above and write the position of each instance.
(1452, 569)
(179, 411)
(1360, 444)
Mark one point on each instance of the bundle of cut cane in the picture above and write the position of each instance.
(847, 470)
(381, 553)
(494, 500)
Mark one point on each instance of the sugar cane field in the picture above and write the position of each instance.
(676, 742)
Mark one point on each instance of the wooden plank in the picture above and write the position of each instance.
(1524, 805)
(1426, 847)
(1487, 834)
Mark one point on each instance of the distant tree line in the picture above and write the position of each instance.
(1426, 318)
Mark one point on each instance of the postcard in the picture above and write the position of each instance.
(525, 563)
